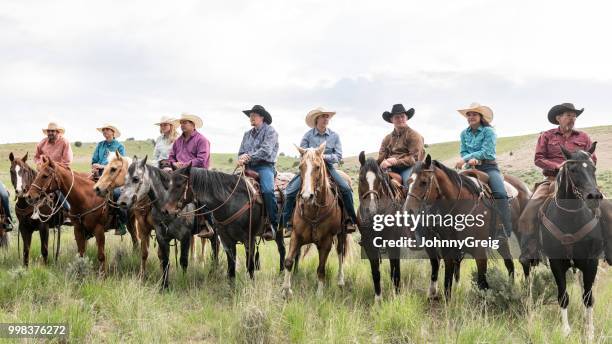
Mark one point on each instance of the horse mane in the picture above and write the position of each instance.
(113, 157)
(456, 178)
(215, 183)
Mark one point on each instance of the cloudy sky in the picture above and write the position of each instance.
(86, 63)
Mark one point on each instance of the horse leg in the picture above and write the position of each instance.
(185, 246)
(395, 274)
(481, 267)
(79, 237)
(589, 271)
(294, 250)
(214, 245)
(341, 251)
(131, 227)
(504, 251)
(99, 234)
(324, 248)
(163, 252)
(43, 231)
(375, 267)
(144, 249)
(280, 245)
(230, 252)
(449, 269)
(435, 268)
(192, 248)
(26, 234)
(559, 268)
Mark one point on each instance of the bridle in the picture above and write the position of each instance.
(43, 190)
(563, 172)
(330, 206)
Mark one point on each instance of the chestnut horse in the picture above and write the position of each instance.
(89, 213)
(22, 175)
(317, 219)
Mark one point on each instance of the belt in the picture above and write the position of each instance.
(488, 162)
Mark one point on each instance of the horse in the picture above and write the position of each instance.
(236, 207)
(378, 194)
(318, 218)
(89, 213)
(22, 175)
(571, 230)
(435, 187)
(147, 182)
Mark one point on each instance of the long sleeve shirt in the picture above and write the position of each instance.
(195, 150)
(333, 148)
(162, 149)
(260, 144)
(404, 144)
(59, 151)
(104, 148)
(548, 154)
(479, 145)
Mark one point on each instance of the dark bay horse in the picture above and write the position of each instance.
(571, 230)
(438, 189)
(89, 213)
(22, 176)
(317, 219)
(378, 196)
(236, 207)
(149, 182)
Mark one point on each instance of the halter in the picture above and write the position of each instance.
(575, 191)
(43, 190)
(330, 206)
(109, 196)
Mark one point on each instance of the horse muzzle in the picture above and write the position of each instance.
(100, 192)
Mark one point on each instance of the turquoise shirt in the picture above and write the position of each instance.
(479, 145)
(103, 149)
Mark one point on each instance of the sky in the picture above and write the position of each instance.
(84, 64)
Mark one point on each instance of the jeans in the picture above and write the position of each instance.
(4, 195)
(405, 172)
(123, 217)
(63, 199)
(496, 182)
(294, 186)
(266, 173)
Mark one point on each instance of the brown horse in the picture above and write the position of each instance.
(317, 219)
(438, 188)
(89, 213)
(22, 175)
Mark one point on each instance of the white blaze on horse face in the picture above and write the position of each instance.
(371, 177)
(19, 185)
(414, 178)
(307, 188)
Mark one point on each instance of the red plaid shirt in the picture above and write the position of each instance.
(548, 154)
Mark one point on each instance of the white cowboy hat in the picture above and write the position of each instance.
(111, 127)
(168, 120)
(485, 111)
(197, 121)
(53, 126)
(311, 117)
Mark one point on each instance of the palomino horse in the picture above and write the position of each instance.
(236, 207)
(437, 189)
(378, 194)
(22, 175)
(317, 219)
(89, 213)
(147, 182)
(571, 231)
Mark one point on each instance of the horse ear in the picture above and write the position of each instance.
(592, 149)
(300, 149)
(321, 148)
(11, 157)
(188, 168)
(117, 154)
(144, 161)
(362, 158)
(428, 161)
(25, 157)
(44, 159)
(566, 153)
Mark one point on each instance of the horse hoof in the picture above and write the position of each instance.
(287, 293)
(341, 283)
(566, 331)
(377, 299)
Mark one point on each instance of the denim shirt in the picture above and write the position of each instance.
(260, 144)
(479, 145)
(104, 148)
(333, 148)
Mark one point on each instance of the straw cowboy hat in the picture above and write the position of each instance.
(167, 120)
(53, 126)
(484, 111)
(116, 131)
(311, 117)
(397, 109)
(260, 110)
(197, 121)
(561, 108)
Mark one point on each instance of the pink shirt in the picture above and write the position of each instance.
(548, 154)
(59, 151)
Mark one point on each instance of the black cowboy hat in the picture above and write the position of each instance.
(258, 109)
(397, 109)
(561, 108)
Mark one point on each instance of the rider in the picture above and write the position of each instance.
(403, 147)
(100, 159)
(163, 144)
(478, 150)
(191, 147)
(4, 196)
(318, 119)
(549, 157)
(258, 152)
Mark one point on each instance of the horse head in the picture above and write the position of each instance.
(45, 182)
(180, 192)
(576, 178)
(313, 172)
(22, 175)
(114, 174)
(137, 183)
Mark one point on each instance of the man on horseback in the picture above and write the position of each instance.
(403, 147)
(258, 152)
(191, 147)
(4, 198)
(478, 150)
(550, 158)
(318, 120)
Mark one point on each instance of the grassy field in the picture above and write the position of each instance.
(202, 307)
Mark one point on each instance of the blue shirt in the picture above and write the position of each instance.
(479, 145)
(260, 144)
(333, 148)
(103, 149)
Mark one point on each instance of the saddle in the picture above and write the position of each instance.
(397, 185)
(281, 180)
(482, 180)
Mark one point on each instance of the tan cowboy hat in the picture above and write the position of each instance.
(197, 121)
(168, 120)
(53, 126)
(111, 127)
(485, 111)
(311, 117)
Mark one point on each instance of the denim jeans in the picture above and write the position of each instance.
(405, 172)
(5, 200)
(496, 182)
(266, 173)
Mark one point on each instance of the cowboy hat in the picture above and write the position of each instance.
(311, 117)
(197, 121)
(397, 109)
(53, 126)
(260, 110)
(561, 108)
(167, 120)
(116, 131)
(484, 111)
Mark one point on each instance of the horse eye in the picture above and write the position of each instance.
(113, 169)
(135, 179)
(45, 176)
(423, 183)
